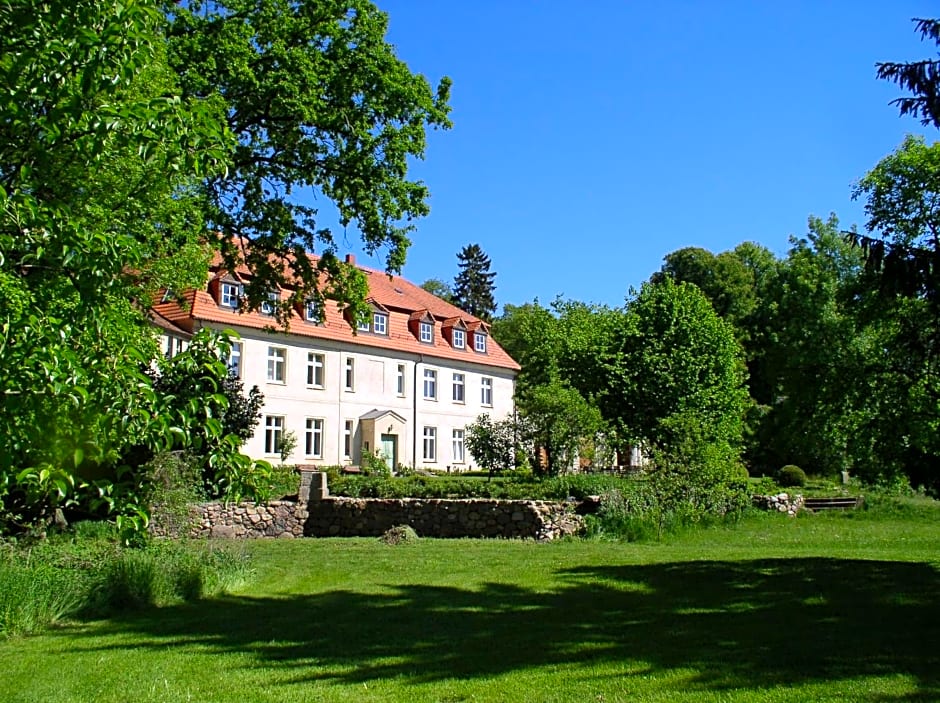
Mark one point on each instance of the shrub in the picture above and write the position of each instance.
(400, 534)
(791, 476)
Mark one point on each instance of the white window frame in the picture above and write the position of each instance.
(310, 312)
(313, 437)
(400, 380)
(348, 428)
(458, 392)
(273, 434)
(380, 323)
(349, 377)
(277, 364)
(426, 333)
(363, 326)
(486, 391)
(234, 360)
(460, 340)
(269, 304)
(479, 342)
(430, 384)
(230, 294)
(459, 447)
(316, 370)
(429, 444)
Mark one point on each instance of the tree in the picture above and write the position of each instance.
(558, 422)
(675, 367)
(529, 333)
(492, 443)
(437, 287)
(98, 162)
(922, 78)
(319, 104)
(473, 285)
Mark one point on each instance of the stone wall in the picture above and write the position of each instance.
(370, 517)
(781, 502)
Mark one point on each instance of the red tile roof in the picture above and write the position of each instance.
(400, 297)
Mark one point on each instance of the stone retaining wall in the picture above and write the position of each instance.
(370, 517)
(781, 502)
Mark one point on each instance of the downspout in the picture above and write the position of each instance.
(414, 413)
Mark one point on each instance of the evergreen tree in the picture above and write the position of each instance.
(473, 285)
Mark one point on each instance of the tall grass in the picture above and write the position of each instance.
(34, 597)
(87, 572)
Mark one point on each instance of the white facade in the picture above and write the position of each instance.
(403, 406)
(403, 387)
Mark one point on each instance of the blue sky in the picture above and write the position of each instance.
(591, 139)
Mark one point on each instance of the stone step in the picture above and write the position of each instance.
(839, 503)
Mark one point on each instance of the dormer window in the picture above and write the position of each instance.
(230, 294)
(310, 312)
(479, 342)
(426, 332)
(269, 304)
(459, 339)
(364, 326)
(380, 323)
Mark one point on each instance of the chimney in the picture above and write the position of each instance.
(351, 259)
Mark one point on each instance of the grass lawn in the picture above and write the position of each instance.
(825, 608)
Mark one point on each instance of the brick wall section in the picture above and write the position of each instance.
(370, 517)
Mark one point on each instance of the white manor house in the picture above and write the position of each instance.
(403, 387)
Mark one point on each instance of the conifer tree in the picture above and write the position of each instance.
(473, 285)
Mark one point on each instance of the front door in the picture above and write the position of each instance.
(390, 450)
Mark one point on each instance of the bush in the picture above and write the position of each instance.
(459, 486)
(791, 476)
(400, 534)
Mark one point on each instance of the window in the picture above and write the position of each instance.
(400, 379)
(486, 391)
(363, 326)
(430, 384)
(427, 332)
(459, 451)
(311, 313)
(458, 387)
(234, 360)
(277, 362)
(273, 431)
(230, 295)
(313, 438)
(347, 439)
(380, 323)
(479, 342)
(459, 339)
(430, 444)
(269, 304)
(315, 366)
(350, 374)
(174, 345)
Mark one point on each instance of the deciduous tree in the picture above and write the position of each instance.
(320, 106)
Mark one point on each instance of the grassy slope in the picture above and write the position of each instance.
(826, 608)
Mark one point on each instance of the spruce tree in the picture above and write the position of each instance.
(473, 285)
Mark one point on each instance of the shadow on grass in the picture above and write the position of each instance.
(745, 624)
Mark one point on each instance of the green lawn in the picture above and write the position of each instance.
(816, 609)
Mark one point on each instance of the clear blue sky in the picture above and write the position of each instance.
(592, 138)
